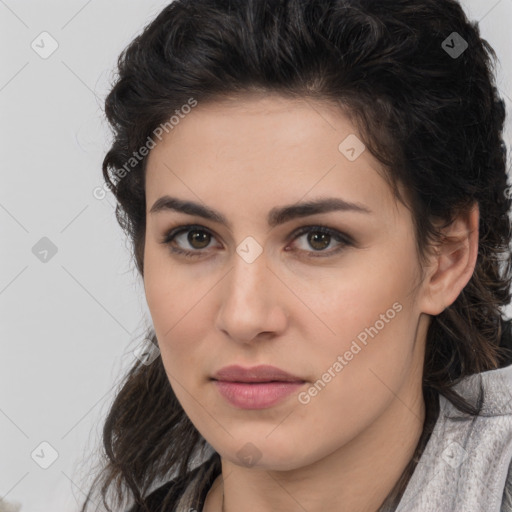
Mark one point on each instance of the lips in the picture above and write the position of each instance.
(261, 373)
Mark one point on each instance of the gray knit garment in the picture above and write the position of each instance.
(466, 465)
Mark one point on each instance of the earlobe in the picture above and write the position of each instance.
(454, 262)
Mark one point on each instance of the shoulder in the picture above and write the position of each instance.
(497, 385)
(466, 464)
(484, 443)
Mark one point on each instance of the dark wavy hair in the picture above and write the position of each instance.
(432, 118)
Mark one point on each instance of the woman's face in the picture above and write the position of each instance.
(338, 309)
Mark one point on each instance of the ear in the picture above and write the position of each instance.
(452, 266)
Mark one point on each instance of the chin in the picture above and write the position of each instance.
(261, 452)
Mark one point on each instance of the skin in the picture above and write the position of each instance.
(347, 447)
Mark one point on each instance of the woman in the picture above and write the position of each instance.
(316, 194)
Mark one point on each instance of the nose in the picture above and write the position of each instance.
(252, 302)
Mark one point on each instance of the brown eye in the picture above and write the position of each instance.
(199, 237)
(189, 241)
(320, 238)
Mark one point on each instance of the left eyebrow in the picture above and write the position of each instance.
(276, 216)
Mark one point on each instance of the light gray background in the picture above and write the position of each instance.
(69, 326)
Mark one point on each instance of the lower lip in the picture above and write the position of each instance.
(256, 395)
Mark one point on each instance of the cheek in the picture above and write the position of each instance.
(165, 287)
(364, 302)
(360, 371)
(174, 304)
(370, 342)
(376, 290)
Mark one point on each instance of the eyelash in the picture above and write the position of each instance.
(342, 238)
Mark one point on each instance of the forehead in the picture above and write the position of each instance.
(240, 124)
(264, 144)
